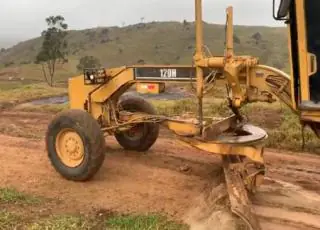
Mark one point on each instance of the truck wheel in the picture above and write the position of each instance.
(75, 145)
(142, 136)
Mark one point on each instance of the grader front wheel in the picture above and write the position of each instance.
(70, 147)
(75, 145)
(142, 136)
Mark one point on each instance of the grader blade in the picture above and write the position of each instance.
(239, 200)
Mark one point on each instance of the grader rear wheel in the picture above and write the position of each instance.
(142, 136)
(75, 145)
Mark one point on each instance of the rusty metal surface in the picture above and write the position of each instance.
(217, 128)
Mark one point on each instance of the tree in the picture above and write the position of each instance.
(236, 39)
(185, 22)
(54, 47)
(257, 37)
(88, 62)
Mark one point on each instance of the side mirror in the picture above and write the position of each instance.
(283, 9)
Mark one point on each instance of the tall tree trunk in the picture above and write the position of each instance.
(45, 74)
(51, 72)
(53, 69)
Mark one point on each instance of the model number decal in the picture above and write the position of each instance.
(168, 73)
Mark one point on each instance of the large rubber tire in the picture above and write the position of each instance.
(92, 138)
(150, 131)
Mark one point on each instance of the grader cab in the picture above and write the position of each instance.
(75, 138)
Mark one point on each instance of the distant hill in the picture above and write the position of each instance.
(6, 43)
(156, 43)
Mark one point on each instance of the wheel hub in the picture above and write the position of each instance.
(70, 148)
(135, 132)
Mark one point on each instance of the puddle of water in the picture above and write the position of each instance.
(52, 100)
(65, 99)
(164, 96)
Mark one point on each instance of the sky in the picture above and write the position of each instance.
(24, 19)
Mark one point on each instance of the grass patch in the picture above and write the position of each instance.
(216, 107)
(9, 221)
(29, 92)
(289, 134)
(12, 196)
(9, 85)
(143, 222)
(68, 222)
(166, 107)
(62, 222)
(52, 108)
(282, 125)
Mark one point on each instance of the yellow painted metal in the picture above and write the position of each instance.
(122, 77)
(78, 92)
(254, 152)
(230, 65)
(182, 128)
(312, 64)
(234, 65)
(303, 52)
(310, 116)
(70, 148)
(264, 83)
(229, 35)
(293, 101)
(199, 56)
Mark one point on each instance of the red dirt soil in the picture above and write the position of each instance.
(169, 178)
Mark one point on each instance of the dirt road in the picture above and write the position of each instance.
(169, 179)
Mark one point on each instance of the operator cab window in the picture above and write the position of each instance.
(312, 10)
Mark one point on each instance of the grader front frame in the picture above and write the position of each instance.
(75, 138)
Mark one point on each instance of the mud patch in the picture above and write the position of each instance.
(211, 209)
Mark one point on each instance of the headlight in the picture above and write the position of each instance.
(94, 76)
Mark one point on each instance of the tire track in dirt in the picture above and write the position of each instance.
(127, 182)
(171, 179)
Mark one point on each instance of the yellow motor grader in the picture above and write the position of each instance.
(75, 138)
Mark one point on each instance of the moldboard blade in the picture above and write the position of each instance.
(240, 203)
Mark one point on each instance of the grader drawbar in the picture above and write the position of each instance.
(75, 138)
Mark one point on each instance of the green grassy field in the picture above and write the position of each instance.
(149, 43)
(25, 93)
(15, 214)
